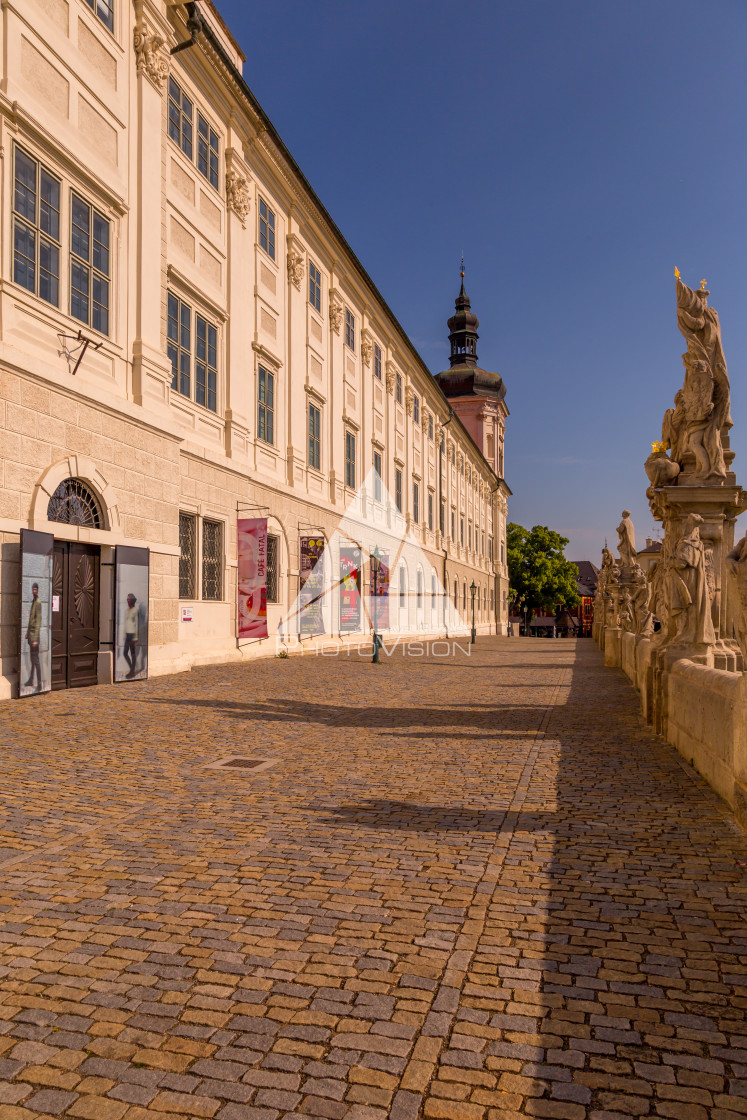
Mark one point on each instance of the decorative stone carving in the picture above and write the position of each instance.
(391, 378)
(736, 566)
(296, 261)
(335, 311)
(640, 595)
(237, 187)
(626, 547)
(683, 585)
(151, 56)
(366, 348)
(409, 401)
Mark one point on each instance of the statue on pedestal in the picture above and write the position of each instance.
(686, 589)
(736, 566)
(640, 598)
(626, 547)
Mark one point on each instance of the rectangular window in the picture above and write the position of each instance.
(36, 229)
(266, 406)
(104, 9)
(377, 476)
(180, 118)
(398, 489)
(430, 426)
(350, 460)
(416, 410)
(89, 265)
(207, 151)
(315, 437)
(469, 534)
(187, 555)
(430, 510)
(179, 343)
(442, 518)
(453, 526)
(273, 569)
(266, 228)
(461, 531)
(377, 361)
(212, 560)
(349, 329)
(398, 388)
(415, 502)
(315, 287)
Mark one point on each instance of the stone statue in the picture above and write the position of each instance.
(626, 547)
(686, 589)
(736, 566)
(627, 613)
(701, 418)
(640, 597)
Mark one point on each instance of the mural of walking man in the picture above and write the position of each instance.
(33, 637)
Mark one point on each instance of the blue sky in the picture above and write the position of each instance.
(576, 152)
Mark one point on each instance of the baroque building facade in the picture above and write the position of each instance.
(186, 337)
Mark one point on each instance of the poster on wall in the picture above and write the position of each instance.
(252, 579)
(350, 588)
(380, 604)
(131, 590)
(37, 550)
(311, 595)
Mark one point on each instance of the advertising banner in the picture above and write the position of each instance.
(350, 588)
(131, 589)
(311, 595)
(252, 612)
(380, 604)
(37, 551)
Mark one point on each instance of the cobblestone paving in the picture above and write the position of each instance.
(467, 889)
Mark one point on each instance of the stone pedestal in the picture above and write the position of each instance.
(612, 652)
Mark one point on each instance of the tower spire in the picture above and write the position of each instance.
(463, 329)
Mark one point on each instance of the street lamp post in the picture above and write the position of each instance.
(375, 567)
(473, 589)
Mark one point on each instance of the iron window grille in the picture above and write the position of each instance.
(104, 9)
(415, 502)
(350, 329)
(74, 503)
(398, 489)
(315, 287)
(187, 555)
(36, 228)
(212, 560)
(273, 569)
(350, 460)
(266, 406)
(377, 476)
(266, 229)
(315, 437)
(207, 151)
(377, 361)
(89, 265)
(180, 118)
(179, 340)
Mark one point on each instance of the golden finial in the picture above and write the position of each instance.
(676, 272)
(703, 285)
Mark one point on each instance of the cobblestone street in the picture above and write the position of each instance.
(466, 888)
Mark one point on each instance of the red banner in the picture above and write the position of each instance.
(252, 539)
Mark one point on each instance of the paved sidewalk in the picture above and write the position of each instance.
(467, 888)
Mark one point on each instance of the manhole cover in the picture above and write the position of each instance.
(237, 762)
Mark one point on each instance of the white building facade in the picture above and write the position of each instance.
(185, 338)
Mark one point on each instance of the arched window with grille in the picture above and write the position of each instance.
(74, 503)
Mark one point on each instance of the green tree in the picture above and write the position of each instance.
(539, 574)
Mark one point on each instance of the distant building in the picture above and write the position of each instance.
(648, 556)
(586, 586)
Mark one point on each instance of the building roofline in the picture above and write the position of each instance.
(257, 108)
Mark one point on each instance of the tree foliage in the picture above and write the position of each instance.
(540, 577)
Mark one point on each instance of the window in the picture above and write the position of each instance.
(464, 596)
(433, 592)
(461, 531)
(377, 476)
(415, 502)
(180, 118)
(430, 510)
(430, 427)
(402, 587)
(266, 405)
(398, 388)
(36, 229)
(377, 361)
(416, 410)
(456, 595)
(453, 526)
(443, 442)
(273, 569)
(398, 489)
(419, 590)
(442, 517)
(315, 287)
(89, 266)
(179, 332)
(350, 460)
(349, 329)
(104, 9)
(207, 151)
(469, 534)
(212, 560)
(315, 437)
(491, 599)
(74, 503)
(187, 555)
(266, 228)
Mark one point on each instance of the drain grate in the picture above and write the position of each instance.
(240, 762)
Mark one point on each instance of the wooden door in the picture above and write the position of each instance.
(75, 624)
